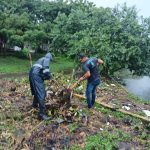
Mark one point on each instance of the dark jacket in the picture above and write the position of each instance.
(41, 67)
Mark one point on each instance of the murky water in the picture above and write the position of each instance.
(13, 75)
(139, 86)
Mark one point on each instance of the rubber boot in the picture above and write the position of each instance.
(35, 103)
(43, 117)
(42, 114)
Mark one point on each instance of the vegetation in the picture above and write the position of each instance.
(10, 64)
(72, 127)
(65, 27)
(118, 35)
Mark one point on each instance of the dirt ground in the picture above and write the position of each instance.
(70, 124)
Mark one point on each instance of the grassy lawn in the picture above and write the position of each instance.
(10, 64)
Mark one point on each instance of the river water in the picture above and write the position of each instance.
(139, 86)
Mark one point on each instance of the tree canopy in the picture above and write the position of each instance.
(117, 35)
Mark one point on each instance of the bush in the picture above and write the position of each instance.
(24, 53)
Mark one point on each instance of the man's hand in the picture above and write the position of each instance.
(81, 79)
(85, 76)
(50, 81)
(100, 61)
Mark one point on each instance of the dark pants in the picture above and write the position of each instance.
(91, 92)
(38, 90)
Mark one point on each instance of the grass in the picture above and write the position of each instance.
(104, 141)
(62, 64)
(10, 64)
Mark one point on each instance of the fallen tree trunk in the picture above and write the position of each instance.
(99, 101)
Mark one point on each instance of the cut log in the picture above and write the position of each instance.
(99, 101)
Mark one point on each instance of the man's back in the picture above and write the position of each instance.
(91, 65)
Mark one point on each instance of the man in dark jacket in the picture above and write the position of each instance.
(38, 73)
(91, 73)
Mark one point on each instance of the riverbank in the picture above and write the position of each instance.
(72, 127)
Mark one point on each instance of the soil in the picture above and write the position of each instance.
(70, 123)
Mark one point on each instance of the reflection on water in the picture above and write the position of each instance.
(139, 86)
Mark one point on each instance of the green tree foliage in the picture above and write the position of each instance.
(119, 36)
